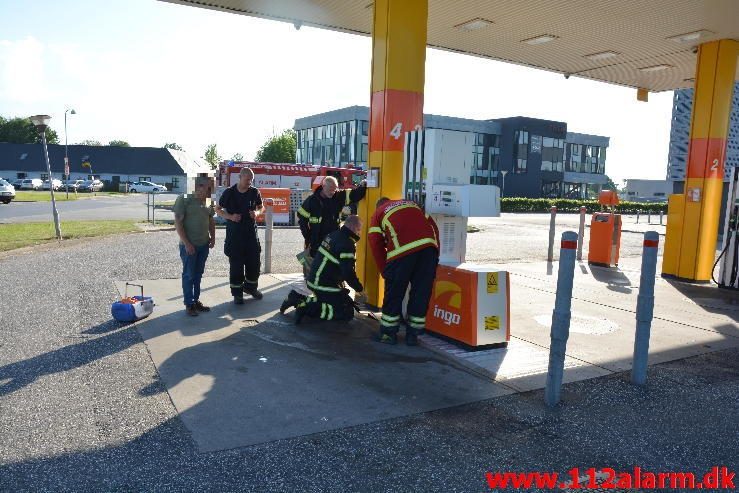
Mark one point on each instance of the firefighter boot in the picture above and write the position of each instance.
(292, 300)
(386, 338)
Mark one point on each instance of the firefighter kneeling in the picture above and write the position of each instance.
(332, 266)
(405, 244)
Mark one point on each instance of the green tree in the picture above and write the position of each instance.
(212, 157)
(237, 157)
(119, 143)
(610, 185)
(278, 149)
(21, 131)
(90, 142)
(173, 145)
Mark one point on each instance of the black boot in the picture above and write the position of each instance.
(293, 298)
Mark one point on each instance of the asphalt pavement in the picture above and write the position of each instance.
(82, 407)
(87, 208)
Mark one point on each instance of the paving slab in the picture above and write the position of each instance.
(242, 375)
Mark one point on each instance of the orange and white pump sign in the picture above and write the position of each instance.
(470, 303)
(281, 203)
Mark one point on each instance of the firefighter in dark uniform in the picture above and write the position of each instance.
(332, 266)
(240, 205)
(405, 244)
(320, 214)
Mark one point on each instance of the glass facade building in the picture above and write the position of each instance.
(541, 157)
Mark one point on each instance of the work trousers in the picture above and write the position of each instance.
(193, 267)
(336, 306)
(417, 269)
(243, 272)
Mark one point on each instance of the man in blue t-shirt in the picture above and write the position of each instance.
(239, 206)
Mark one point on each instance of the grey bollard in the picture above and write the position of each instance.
(561, 318)
(268, 227)
(550, 252)
(637, 216)
(649, 217)
(661, 213)
(645, 308)
(581, 232)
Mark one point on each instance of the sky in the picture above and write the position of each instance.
(150, 72)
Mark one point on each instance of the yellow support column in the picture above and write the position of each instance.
(398, 71)
(690, 249)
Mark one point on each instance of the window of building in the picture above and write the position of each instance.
(44, 176)
(520, 151)
(144, 178)
(659, 194)
(175, 181)
(365, 127)
(602, 161)
(574, 164)
(572, 191)
(550, 189)
(552, 154)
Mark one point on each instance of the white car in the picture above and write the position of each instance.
(7, 192)
(146, 187)
(31, 184)
(56, 184)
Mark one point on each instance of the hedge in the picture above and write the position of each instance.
(516, 204)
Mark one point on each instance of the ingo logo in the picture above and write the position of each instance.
(450, 294)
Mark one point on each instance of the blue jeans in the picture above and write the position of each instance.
(193, 267)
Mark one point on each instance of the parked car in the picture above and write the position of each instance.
(7, 192)
(17, 183)
(146, 186)
(71, 185)
(91, 186)
(31, 184)
(55, 184)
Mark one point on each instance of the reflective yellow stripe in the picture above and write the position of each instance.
(417, 325)
(323, 310)
(314, 220)
(374, 229)
(393, 236)
(327, 255)
(385, 220)
(411, 246)
(348, 200)
(318, 287)
(385, 323)
(236, 286)
(347, 255)
(330, 312)
(390, 318)
(417, 319)
(303, 212)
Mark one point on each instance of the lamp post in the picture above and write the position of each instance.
(502, 188)
(41, 122)
(66, 154)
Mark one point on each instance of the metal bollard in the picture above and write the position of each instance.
(637, 216)
(550, 253)
(268, 227)
(645, 308)
(661, 213)
(649, 217)
(561, 318)
(581, 232)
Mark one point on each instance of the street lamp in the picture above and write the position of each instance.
(502, 189)
(66, 154)
(41, 122)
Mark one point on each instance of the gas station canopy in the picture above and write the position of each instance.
(647, 44)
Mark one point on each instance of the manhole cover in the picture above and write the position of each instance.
(582, 324)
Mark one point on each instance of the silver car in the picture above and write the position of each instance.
(7, 192)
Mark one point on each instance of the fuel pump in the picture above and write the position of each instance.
(469, 302)
(729, 258)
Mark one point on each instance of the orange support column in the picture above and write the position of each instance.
(690, 249)
(398, 71)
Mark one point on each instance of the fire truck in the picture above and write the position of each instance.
(286, 184)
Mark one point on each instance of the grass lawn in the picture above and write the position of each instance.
(61, 196)
(20, 235)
